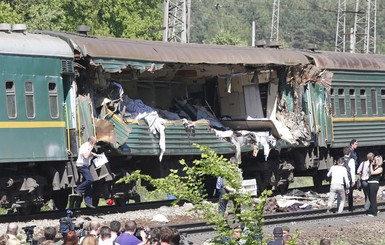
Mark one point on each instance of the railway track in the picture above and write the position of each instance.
(84, 211)
(15, 217)
(200, 231)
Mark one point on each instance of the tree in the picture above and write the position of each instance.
(9, 15)
(189, 185)
(117, 18)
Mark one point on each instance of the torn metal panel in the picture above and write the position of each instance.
(118, 49)
(299, 123)
(121, 130)
(114, 65)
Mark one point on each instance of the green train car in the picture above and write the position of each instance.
(281, 113)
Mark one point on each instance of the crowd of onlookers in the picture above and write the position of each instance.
(97, 234)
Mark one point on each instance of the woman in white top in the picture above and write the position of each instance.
(339, 182)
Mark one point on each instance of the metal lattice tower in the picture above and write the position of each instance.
(176, 21)
(363, 33)
(365, 26)
(275, 21)
(341, 23)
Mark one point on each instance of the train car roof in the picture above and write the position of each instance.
(32, 44)
(347, 61)
(164, 52)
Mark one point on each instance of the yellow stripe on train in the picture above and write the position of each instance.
(358, 119)
(34, 124)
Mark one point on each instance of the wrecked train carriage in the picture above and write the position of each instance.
(236, 89)
(354, 106)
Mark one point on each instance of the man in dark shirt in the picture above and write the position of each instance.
(277, 236)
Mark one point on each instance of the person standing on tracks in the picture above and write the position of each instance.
(350, 166)
(223, 188)
(339, 182)
(83, 164)
(375, 170)
(363, 171)
(353, 146)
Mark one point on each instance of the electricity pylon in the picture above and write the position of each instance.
(275, 22)
(176, 20)
(363, 34)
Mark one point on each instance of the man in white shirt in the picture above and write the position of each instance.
(105, 236)
(363, 171)
(339, 181)
(83, 164)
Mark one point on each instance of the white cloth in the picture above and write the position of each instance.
(82, 159)
(108, 241)
(339, 175)
(363, 170)
(156, 125)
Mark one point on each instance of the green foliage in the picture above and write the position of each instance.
(188, 184)
(118, 18)
(9, 15)
(226, 38)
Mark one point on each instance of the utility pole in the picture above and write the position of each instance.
(176, 20)
(363, 34)
(275, 22)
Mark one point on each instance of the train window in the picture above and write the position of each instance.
(383, 101)
(10, 92)
(53, 100)
(374, 102)
(29, 99)
(341, 101)
(352, 95)
(364, 110)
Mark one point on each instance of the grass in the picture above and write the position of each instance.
(301, 182)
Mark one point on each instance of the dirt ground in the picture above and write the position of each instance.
(355, 231)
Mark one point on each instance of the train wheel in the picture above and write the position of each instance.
(318, 178)
(60, 199)
(120, 201)
(95, 201)
(29, 209)
(283, 187)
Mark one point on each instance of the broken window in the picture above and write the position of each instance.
(53, 100)
(374, 102)
(352, 95)
(364, 110)
(341, 101)
(11, 98)
(29, 99)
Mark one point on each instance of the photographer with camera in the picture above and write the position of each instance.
(12, 230)
(129, 238)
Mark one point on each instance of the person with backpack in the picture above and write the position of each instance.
(338, 183)
(350, 166)
(363, 172)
